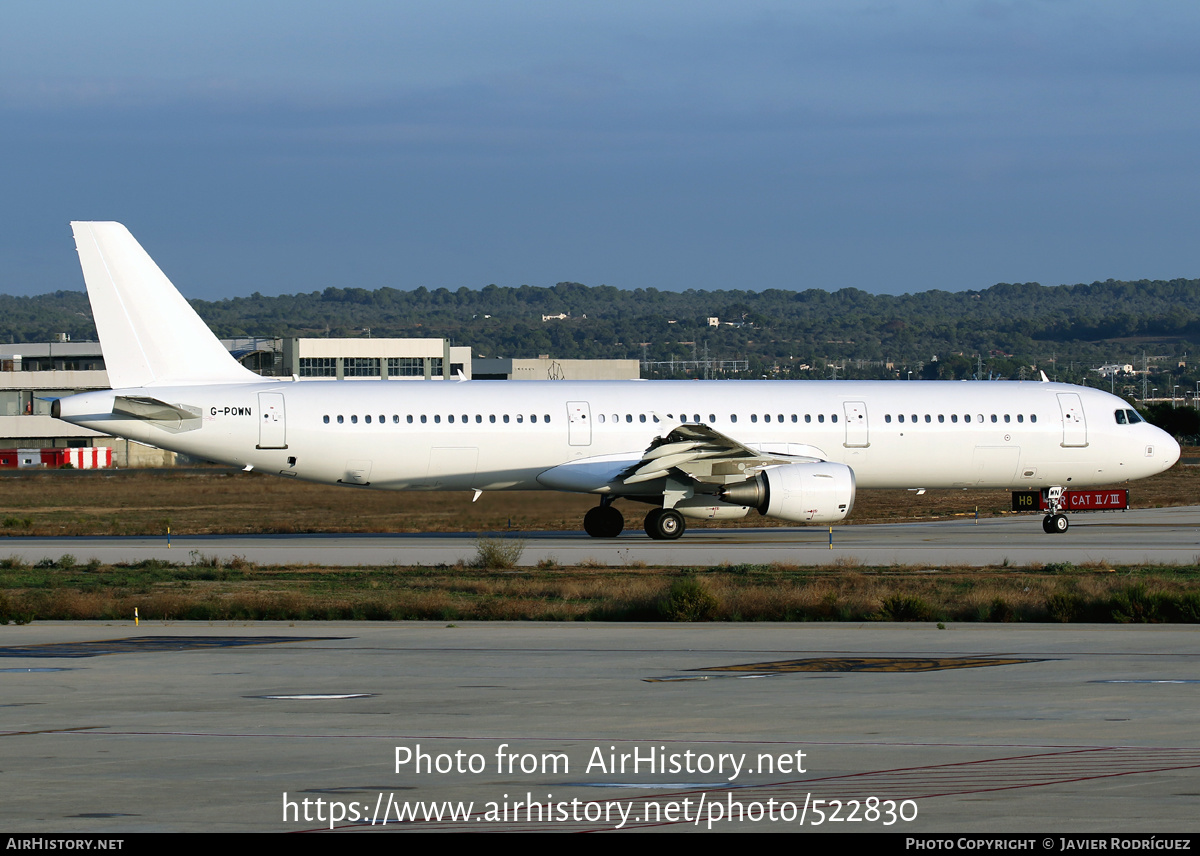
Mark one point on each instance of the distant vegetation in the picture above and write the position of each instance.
(1004, 331)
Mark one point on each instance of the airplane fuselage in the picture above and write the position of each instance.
(490, 435)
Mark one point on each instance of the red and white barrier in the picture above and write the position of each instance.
(84, 458)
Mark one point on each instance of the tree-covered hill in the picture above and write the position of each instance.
(1066, 328)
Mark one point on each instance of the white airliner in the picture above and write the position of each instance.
(792, 450)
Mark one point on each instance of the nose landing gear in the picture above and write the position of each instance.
(1055, 523)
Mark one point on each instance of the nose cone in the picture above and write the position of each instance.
(1169, 450)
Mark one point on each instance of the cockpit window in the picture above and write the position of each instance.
(1120, 414)
(1133, 417)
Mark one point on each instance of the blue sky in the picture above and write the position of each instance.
(283, 147)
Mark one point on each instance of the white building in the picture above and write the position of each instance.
(380, 359)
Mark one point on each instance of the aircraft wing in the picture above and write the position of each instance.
(705, 455)
(690, 452)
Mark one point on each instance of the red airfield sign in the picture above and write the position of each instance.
(1073, 500)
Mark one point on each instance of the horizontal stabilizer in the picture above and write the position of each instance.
(149, 333)
(152, 409)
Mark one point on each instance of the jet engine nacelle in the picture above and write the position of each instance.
(802, 493)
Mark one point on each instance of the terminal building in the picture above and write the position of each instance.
(374, 359)
(544, 368)
(33, 375)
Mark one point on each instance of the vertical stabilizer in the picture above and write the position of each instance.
(148, 332)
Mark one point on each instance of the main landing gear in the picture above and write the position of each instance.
(603, 521)
(664, 524)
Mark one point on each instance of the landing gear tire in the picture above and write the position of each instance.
(664, 524)
(1055, 524)
(603, 521)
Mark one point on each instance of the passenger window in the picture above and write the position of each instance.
(326, 419)
(520, 418)
(712, 417)
(367, 418)
(1020, 417)
(914, 417)
(396, 418)
(928, 418)
(941, 417)
(900, 418)
(354, 420)
(820, 417)
(833, 418)
(423, 418)
(628, 417)
(753, 417)
(733, 417)
(492, 418)
(505, 418)
(1033, 417)
(450, 418)
(410, 419)
(994, 419)
(794, 417)
(887, 417)
(341, 419)
(954, 417)
(533, 417)
(437, 418)
(808, 417)
(545, 417)
(478, 418)
(967, 417)
(1007, 418)
(641, 417)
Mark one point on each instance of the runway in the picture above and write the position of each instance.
(1159, 536)
(257, 726)
(109, 728)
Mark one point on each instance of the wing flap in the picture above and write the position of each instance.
(705, 455)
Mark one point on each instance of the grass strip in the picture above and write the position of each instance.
(237, 590)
